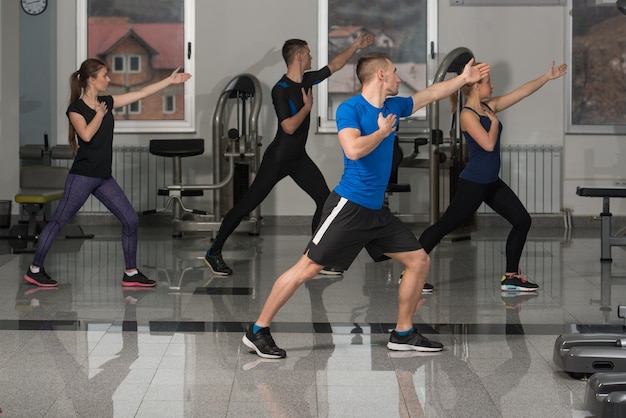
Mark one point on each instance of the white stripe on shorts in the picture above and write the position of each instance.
(320, 232)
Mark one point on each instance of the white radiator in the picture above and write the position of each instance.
(534, 172)
(139, 174)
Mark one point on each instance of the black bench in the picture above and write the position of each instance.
(605, 192)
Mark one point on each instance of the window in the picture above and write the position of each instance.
(597, 68)
(169, 104)
(119, 64)
(124, 112)
(134, 64)
(142, 41)
(406, 30)
(134, 108)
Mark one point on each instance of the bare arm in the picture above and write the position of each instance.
(85, 130)
(127, 98)
(500, 103)
(437, 91)
(340, 60)
(290, 124)
(357, 146)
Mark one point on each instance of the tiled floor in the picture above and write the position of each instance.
(91, 348)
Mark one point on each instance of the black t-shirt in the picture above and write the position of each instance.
(94, 158)
(287, 99)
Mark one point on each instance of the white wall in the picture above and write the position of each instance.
(9, 98)
(517, 52)
(519, 43)
(246, 36)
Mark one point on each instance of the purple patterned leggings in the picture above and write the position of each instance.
(77, 190)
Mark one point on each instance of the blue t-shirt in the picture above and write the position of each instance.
(365, 180)
(483, 166)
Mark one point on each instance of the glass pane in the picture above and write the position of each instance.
(148, 31)
(401, 33)
(598, 65)
(169, 104)
(133, 64)
(134, 107)
(118, 64)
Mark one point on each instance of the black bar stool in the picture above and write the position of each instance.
(177, 149)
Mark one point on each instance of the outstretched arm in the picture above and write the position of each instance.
(471, 74)
(176, 77)
(500, 103)
(337, 63)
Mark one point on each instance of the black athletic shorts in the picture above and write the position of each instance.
(346, 228)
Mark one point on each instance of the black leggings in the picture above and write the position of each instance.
(467, 200)
(77, 190)
(303, 171)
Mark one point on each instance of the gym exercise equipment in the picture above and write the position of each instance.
(176, 149)
(398, 157)
(41, 184)
(236, 158)
(605, 395)
(443, 153)
(454, 62)
(606, 193)
(584, 354)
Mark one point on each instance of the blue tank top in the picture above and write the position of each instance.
(483, 166)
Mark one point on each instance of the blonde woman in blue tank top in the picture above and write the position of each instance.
(479, 181)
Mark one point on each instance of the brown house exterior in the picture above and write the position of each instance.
(138, 54)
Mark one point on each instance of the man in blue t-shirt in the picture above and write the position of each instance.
(354, 216)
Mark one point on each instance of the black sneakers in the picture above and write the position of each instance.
(137, 280)
(263, 343)
(217, 265)
(414, 341)
(331, 271)
(39, 279)
(428, 288)
(517, 283)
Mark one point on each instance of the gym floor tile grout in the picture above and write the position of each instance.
(93, 348)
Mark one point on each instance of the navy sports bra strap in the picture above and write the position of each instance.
(484, 104)
(467, 107)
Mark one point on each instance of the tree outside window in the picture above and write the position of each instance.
(598, 68)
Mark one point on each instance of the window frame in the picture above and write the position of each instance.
(122, 60)
(131, 108)
(129, 67)
(411, 125)
(571, 128)
(187, 124)
(167, 97)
